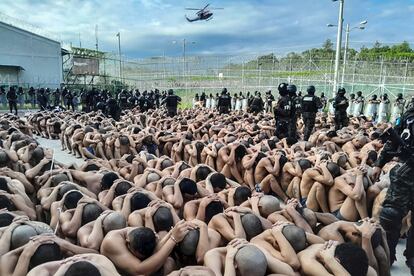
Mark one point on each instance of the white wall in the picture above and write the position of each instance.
(39, 56)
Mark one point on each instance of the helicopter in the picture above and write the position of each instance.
(202, 14)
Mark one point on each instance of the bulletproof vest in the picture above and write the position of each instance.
(225, 100)
(309, 104)
(171, 101)
(297, 103)
(256, 102)
(12, 95)
(340, 108)
(123, 97)
(285, 104)
(111, 103)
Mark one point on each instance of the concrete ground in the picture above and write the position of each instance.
(61, 156)
(398, 269)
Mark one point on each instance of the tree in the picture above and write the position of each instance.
(328, 45)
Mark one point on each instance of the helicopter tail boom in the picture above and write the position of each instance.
(191, 20)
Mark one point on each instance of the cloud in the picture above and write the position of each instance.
(257, 26)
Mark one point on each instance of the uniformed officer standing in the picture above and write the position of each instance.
(56, 95)
(296, 110)
(400, 195)
(310, 106)
(340, 105)
(324, 101)
(257, 104)
(282, 112)
(224, 102)
(269, 101)
(171, 102)
(112, 109)
(12, 98)
(123, 99)
(144, 102)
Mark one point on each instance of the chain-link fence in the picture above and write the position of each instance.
(209, 74)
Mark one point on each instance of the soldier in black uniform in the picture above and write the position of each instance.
(224, 102)
(295, 108)
(203, 98)
(157, 97)
(69, 100)
(171, 102)
(123, 99)
(112, 109)
(12, 98)
(143, 102)
(400, 195)
(56, 100)
(341, 104)
(257, 104)
(310, 106)
(282, 112)
(42, 99)
(269, 100)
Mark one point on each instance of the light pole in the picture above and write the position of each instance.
(184, 61)
(338, 43)
(361, 26)
(184, 52)
(119, 53)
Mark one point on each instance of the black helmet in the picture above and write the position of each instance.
(341, 91)
(400, 95)
(311, 89)
(170, 92)
(224, 91)
(291, 89)
(359, 93)
(282, 89)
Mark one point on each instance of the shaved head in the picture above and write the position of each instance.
(4, 158)
(166, 163)
(296, 237)
(251, 261)
(57, 179)
(251, 225)
(152, 177)
(268, 204)
(113, 221)
(168, 182)
(188, 246)
(21, 235)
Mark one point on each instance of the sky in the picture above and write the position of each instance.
(149, 27)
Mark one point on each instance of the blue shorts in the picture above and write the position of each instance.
(91, 150)
(338, 215)
(303, 202)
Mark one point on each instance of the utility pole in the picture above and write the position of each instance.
(345, 54)
(338, 44)
(96, 37)
(120, 57)
(184, 65)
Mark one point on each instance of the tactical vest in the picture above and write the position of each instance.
(309, 104)
(171, 101)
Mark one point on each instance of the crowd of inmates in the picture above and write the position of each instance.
(201, 193)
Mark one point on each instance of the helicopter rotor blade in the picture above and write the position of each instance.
(206, 7)
(192, 9)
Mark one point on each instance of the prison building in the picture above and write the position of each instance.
(28, 59)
